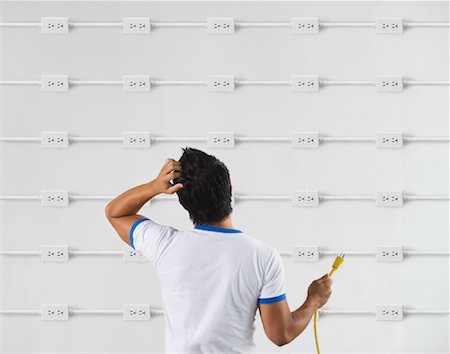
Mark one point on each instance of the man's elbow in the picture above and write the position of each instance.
(281, 340)
(107, 211)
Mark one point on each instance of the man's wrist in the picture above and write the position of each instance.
(311, 304)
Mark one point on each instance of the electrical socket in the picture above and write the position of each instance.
(389, 199)
(54, 25)
(54, 198)
(305, 254)
(305, 139)
(389, 254)
(305, 25)
(136, 25)
(389, 83)
(131, 256)
(221, 83)
(220, 25)
(54, 253)
(389, 25)
(56, 140)
(136, 83)
(140, 140)
(136, 312)
(305, 83)
(389, 140)
(389, 313)
(221, 140)
(54, 312)
(55, 83)
(305, 199)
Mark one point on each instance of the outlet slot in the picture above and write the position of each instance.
(59, 312)
(305, 25)
(136, 312)
(54, 198)
(221, 83)
(220, 25)
(389, 83)
(221, 140)
(136, 83)
(305, 199)
(389, 25)
(305, 83)
(136, 25)
(132, 256)
(389, 140)
(55, 83)
(389, 199)
(137, 140)
(55, 140)
(389, 313)
(305, 254)
(389, 254)
(54, 25)
(54, 253)
(305, 139)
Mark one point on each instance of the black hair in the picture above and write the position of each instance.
(206, 192)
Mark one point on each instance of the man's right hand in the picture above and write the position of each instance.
(319, 291)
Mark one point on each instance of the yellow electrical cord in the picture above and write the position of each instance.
(337, 263)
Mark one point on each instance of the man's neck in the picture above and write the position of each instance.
(226, 224)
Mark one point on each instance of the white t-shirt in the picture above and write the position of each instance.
(212, 280)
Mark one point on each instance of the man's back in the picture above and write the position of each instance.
(211, 281)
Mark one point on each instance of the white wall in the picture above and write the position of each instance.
(92, 282)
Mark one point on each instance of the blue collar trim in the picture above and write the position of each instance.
(216, 229)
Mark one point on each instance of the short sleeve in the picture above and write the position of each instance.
(273, 289)
(151, 239)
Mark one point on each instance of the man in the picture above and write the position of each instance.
(213, 276)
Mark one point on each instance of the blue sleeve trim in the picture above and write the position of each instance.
(271, 300)
(136, 223)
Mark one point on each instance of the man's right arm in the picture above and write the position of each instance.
(283, 326)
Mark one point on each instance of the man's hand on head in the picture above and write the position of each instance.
(169, 171)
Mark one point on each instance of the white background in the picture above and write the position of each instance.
(90, 282)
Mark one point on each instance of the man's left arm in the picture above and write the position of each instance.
(122, 212)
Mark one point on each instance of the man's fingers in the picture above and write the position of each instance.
(171, 165)
(174, 188)
(323, 278)
(172, 175)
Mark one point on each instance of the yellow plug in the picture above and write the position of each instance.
(336, 264)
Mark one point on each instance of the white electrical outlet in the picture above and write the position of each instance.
(221, 83)
(389, 140)
(54, 198)
(389, 83)
(131, 256)
(136, 140)
(305, 254)
(220, 140)
(305, 25)
(54, 312)
(389, 313)
(389, 254)
(389, 199)
(136, 312)
(56, 140)
(54, 253)
(305, 139)
(389, 25)
(54, 25)
(136, 83)
(56, 83)
(220, 25)
(305, 83)
(305, 199)
(136, 25)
